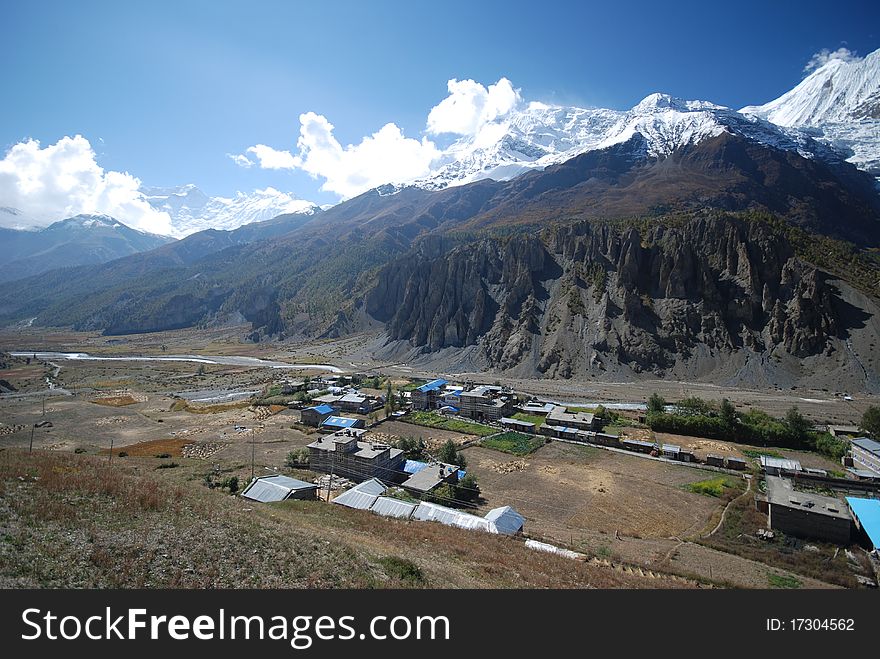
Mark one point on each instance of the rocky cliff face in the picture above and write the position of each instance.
(588, 298)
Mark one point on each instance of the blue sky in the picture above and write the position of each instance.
(164, 90)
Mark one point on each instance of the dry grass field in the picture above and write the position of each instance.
(76, 521)
(565, 488)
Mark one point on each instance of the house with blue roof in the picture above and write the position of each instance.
(315, 416)
(429, 395)
(334, 423)
(866, 515)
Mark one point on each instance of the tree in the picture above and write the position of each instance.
(413, 449)
(390, 400)
(797, 425)
(450, 454)
(467, 489)
(728, 414)
(871, 421)
(656, 403)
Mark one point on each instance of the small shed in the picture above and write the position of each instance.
(637, 445)
(505, 520)
(515, 424)
(776, 466)
(715, 460)
(736, 463)
(278, 488)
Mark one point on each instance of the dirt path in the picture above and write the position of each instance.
(727, 507)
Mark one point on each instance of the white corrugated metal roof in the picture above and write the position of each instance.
(780, 463)
(432, 512)
(373, 486)
(363, 495)
(274, 488)
(356, 499)
(553, 549)
(388, 507)
(505, 520)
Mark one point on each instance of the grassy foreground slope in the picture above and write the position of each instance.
(74, 521)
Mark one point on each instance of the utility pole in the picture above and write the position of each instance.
(110, 461)
(332, 469)
(33, 427)
(44, 405)
(253, 453)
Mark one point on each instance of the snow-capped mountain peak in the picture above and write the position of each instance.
(838, 91)
(838, 104)
(192, 210)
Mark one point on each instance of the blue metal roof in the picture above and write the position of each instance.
(867, 444)
(433, 385)
(339, 421)
(414, 466)
(867, 511)
(322, 409)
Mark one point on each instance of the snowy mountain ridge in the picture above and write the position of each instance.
(191, 210)
(833, 114)
(838, 104)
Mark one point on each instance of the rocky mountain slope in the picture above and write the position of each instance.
(716, 297)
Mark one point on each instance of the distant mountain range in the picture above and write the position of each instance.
(191, 210)
(680, 238)
(79, 240)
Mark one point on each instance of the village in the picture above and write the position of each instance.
(586, 482)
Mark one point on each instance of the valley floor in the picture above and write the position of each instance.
(636, 518)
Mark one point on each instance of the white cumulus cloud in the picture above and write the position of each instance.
(64, 179)
(270, 158)
(470, 106)
(240, 160)
(471, 111)
(825, 55)
(385, 156)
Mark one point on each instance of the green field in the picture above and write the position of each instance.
(411, 386)
(516, 443)
(434, 420)
(751, 453)
(714, 487)
(783, 581)
(537, 419)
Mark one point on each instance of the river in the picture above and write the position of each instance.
(226, 360)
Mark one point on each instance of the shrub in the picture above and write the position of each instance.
(167, 465)
(123, 454)
(402, 569)
(297, 458)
